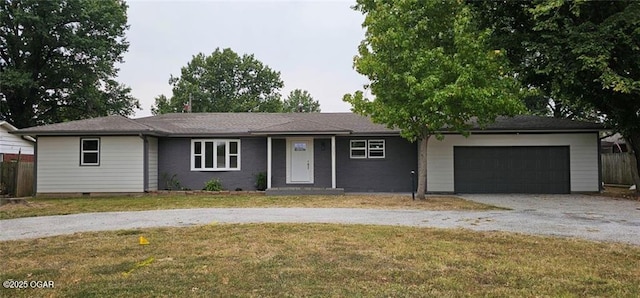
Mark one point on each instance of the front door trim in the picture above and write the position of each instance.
(291, 161)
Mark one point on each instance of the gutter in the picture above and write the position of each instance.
(30, 134)
(524, 131)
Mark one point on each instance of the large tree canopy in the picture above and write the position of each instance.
(300, 101)
(223, 82)
(57, 60)
(430, 68)
(583, 54)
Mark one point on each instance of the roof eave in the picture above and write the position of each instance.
(87, 133)
(376, 133)
(264, 133)
(570, 130)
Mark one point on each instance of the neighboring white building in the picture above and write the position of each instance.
(11, 145)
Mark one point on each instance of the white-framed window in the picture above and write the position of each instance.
(215, 155)
(361, 149)
(358, 149)
(376, 149)
(89, 151)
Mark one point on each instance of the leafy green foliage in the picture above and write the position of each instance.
(300, 101)
(430, 68)
(213, 185)
(223, 82)
(57, 60)
(582, 56)
(162, 106)
(261, 181)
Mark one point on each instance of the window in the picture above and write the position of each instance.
(215, 155)
(376, 149)
(89, 152)
(367, 149)
(358, 149)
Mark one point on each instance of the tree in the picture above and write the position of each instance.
(430, 69)
(223, 82)
(300, 101)
(588, 54)
(163, 106)
(513, 29)
(57, 60)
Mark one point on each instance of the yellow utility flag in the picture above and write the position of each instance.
(143, 241)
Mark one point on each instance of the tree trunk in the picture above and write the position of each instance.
(633, 140)
(422, 167)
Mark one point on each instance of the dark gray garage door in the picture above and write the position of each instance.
(511, 169)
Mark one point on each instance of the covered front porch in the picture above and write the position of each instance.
(302, 165)
(301, 157)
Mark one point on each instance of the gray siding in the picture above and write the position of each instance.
(174, 158)
(390, 174)
(321, 164)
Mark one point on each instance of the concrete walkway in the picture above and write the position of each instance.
(581, 216)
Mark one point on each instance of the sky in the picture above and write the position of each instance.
(311, 44)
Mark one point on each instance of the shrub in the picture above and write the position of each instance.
(213, 185)
(171, 182)
(261, 181)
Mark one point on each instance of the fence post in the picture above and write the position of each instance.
(17, 173)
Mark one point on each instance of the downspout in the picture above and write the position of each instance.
(35, 167)
(600, 182)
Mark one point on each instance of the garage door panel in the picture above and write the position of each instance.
(526, 169)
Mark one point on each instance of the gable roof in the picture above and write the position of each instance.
(207, 124)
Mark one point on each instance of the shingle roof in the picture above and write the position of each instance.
(260, 123)
(114, 124)
(300, 126)
(200, 124)
(538, 123)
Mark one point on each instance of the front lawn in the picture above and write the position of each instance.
(55, 206)
(319, 260)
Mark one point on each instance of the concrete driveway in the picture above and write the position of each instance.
(581, 216)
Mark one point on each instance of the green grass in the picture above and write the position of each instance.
(59, 206)
(319, 260)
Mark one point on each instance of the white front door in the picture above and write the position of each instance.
(300, 160)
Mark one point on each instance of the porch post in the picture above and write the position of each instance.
(268, 162)
(333, 161)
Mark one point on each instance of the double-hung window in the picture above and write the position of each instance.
(89, 152)
(361, 149)
(376, 149)
(358, 149)
(215, 155)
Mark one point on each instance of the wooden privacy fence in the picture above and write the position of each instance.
(617, 168)
(16, 178)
